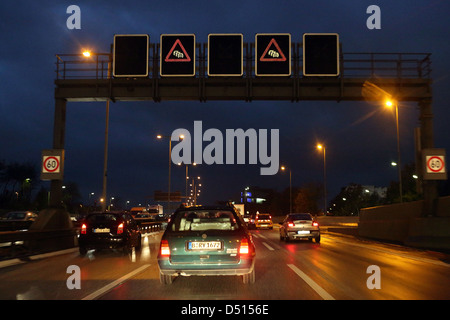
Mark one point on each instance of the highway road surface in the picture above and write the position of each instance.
(340, 267)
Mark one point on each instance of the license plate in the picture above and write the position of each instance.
(303, 232)
(101, 230)
(204, 245)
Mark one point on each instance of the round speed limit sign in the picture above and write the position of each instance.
(51, 164)
(435, 164)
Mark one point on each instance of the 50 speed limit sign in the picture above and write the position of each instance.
(52, 164)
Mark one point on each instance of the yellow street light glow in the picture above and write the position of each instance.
(389, 103)
(86, 53)
(319, 146)
(283, 168)
(159, 136)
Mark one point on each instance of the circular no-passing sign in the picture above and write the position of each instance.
(51, 164)
(435, 164)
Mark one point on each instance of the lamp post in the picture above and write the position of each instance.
(390, 104)
(322, 147)
(187, 177)
(159, 136)
(88, 54)
(283, 168)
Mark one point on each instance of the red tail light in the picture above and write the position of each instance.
(83, 228)
(120, 228)
(165, 250)
(291, 224)
(315, 224)
(245, 248)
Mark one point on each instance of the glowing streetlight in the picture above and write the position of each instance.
(86, 53)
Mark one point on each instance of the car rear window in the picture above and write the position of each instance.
(203, 220)
(103, 218)
(264, 216)
(299, 216)
(15, 215)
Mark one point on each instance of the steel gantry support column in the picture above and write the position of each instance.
(59, 129)
(430, 193)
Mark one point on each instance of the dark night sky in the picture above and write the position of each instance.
(360, 137)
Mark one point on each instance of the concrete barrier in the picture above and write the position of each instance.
(403, 222)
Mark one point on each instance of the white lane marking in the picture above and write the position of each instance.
(113, 284)
(320, 291)
(267, 246)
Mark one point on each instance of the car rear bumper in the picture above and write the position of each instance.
(296, 235)
(264, 226)
(102, 243)
(245, 266)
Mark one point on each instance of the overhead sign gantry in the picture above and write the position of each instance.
(226, 68)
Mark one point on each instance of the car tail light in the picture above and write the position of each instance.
(245, 248)
(315, 224)
(83, 228)
(291, 224)
(120, 228)
(165, 250)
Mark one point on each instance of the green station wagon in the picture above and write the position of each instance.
(206, 241)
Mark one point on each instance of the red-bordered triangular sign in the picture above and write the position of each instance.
(186, 57)
(281, 57)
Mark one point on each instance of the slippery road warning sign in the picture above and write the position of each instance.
(434, 162)
(273, 54)
(52, 164)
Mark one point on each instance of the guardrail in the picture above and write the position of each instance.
(352, 65)
(18, 244)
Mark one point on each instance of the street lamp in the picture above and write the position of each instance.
(322, 147)
(389, 104)
(283, 168)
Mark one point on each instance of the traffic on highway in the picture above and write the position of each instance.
(207, 257)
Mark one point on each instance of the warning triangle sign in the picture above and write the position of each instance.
(177, 53)
(273, 52)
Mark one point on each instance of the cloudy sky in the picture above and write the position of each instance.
(360, 137)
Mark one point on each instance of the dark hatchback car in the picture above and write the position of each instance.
(109, 231)
(206, 241)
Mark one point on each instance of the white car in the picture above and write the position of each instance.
(299, 226)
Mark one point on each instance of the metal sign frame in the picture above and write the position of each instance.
(242, 55)
(57, 166)
(337, 56)
(114, 57)
(287, 55)
(429, 154)
(163, 57)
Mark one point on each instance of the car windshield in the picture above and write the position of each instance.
(299, 216)
(204, 220)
